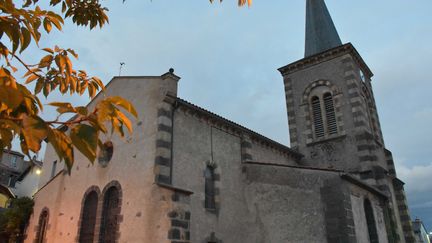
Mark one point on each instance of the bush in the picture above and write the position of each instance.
(14, 219)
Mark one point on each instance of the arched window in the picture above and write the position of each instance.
(42, 226)
(88, 218)
(370, 220)
(370, 110)
(110, 215)
(210, 202)
(323, 114)
(330, 114)
(317, 117)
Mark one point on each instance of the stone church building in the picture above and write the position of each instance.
(189, 175)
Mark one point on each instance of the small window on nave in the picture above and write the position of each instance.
(209, 188)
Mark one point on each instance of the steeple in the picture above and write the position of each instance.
(321, 34)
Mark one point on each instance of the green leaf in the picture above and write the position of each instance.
(26, 38)
(16, 34)
(62, 144)
(34, 131)
(85, 138)
(6, 136)
(82, 110)
(63, 7)
(2, 146)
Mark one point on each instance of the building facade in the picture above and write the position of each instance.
(420, 232)
(12, 165)
(21, 176)
(27, 184)
(189, 175)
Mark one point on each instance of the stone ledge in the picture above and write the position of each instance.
(175, 189)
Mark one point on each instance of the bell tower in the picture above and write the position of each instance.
(332, 115)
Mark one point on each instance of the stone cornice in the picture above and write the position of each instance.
(325, 56)
(363, 185)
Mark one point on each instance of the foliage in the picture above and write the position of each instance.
(20, 108)
(14, 219)
(240, 2)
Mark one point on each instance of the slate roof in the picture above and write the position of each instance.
(321, 33)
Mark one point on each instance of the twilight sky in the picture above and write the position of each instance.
(228, 56)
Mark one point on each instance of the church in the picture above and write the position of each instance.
(187, 175)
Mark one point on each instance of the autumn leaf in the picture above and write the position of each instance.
(117, 100)
(62, 144)
(34, 131)
(85, 139)
(63, 107)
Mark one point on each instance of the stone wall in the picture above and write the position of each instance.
(270, 200)
(144, 205)
(357, 198)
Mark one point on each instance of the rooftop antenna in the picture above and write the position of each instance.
(121, 67)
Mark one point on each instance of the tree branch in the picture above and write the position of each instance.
(25, 65)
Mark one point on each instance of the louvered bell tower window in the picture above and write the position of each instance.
(323, 113)
(317, 117)
(330, 114)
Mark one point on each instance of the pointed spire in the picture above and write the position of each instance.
(321, 34)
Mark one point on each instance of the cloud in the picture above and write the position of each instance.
(418, 188)
(417, 178)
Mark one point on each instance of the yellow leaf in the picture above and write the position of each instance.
(48, 50)
(31, 78)
(60, 63)
(124, 120)
(125, 104)
(11, 97)
(39, 85)
(73, 53)
(68, 64)
(45, 61)
(46, 89)
(63, 107)
(47, 25)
